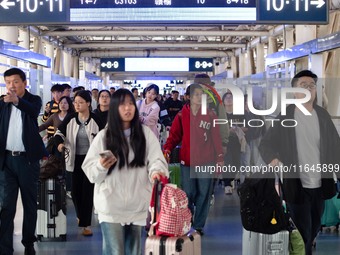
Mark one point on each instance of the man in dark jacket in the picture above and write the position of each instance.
(309, 152)
(21, 148)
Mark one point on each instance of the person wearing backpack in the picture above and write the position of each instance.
(201, 147)
(123, 179)
(311, 150)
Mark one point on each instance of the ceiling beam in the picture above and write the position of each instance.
(156, 45)
(156, 53)
(155, 33)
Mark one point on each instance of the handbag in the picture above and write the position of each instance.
(54, 165)
(296, 243)
(51, 167)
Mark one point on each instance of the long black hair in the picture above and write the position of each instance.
(115, 137)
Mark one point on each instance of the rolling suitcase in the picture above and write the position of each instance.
(254, 243)
(162, 245)
(51, 222)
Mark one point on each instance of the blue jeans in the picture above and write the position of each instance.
(121, 240)
(199, 191)
(307, 216)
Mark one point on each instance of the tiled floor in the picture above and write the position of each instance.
(223, 234)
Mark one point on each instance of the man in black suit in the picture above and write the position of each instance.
(21, 148)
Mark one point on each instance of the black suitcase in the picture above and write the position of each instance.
(51, 222)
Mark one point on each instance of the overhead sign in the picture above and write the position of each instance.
(34, 11)
(201, 64)
(292, 11)
(163, 11)
(156, 64)
(170, 11)
(112, 64)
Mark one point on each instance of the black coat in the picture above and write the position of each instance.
(30, 106)
(280, 142)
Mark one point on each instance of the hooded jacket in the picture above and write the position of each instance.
(205, 145)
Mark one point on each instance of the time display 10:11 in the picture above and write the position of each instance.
(278, 5)
(33, 5)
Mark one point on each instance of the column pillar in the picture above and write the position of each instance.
(250, 62)
(57, 60)
(242, 64)
(75, 61)
(24, 39)
(289, 39)
(9, 34)
(272, 45)
(260, 61)
(50, 53)
(305, 33)
(68, 64)
(234, 66)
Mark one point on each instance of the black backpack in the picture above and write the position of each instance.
(261, 206)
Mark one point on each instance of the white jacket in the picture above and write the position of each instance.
(68, 131)
(124, 195)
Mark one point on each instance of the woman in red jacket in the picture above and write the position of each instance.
(200, 150)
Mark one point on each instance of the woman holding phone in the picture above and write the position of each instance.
(123, 176)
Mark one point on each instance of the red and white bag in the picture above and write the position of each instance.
(174, 218)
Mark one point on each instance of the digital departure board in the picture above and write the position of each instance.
(163, 11)
(169, 11)
(156, 64)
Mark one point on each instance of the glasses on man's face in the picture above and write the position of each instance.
(309, 86)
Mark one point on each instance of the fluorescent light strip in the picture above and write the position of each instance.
(162, 14)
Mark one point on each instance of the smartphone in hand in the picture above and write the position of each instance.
(106, 154)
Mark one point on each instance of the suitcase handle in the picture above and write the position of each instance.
(53, 209)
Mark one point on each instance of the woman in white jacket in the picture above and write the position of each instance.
(123, 179)
(76, 133)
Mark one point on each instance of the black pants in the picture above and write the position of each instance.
(17, 174)
(307, 216)
(82, 193)
(232, 158)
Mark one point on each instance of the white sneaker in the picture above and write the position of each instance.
(228, 190)
(332, 229)
(212, 200)
(68, 193)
